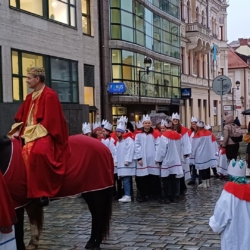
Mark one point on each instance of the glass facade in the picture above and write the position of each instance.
(62, 11)
(61, 75)
(172, 7)
(132, 22)
(163, 81)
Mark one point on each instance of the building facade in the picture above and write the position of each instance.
(62, 37)
(204, 55)
(238, 99)
(131, 31)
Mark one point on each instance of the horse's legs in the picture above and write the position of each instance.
(19, 232)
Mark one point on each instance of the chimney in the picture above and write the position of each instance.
(243, 41)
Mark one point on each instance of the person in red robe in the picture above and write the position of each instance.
(41, 124)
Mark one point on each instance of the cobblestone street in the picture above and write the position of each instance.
(136, 226)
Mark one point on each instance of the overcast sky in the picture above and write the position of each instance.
(238, 19)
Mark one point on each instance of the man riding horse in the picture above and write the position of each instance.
(41, 124)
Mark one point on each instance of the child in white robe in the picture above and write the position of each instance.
(231, 216)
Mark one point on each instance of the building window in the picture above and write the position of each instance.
(163, 81)
(183, 60)
(86, 17)
(61, 75)
(62, 11)
(141, 26)
(64, 79)
(89, 85)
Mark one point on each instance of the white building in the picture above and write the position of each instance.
(204, 57)
(62, 37)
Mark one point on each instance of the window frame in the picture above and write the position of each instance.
(45, 15)
(88, 17)
(89, 85)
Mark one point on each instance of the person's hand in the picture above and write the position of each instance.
(16, 134)
(126, 163)
(140, 162)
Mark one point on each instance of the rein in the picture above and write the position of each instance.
(5, 153)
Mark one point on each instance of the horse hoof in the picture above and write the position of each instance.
(31, 247)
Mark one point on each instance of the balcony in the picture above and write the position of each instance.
(198, 28)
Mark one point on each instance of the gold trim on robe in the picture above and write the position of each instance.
(14, 128)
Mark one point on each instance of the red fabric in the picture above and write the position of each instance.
(89, 167)
(129, 134)
(113, 135)
(213, 138)
(184, 130)
(48, 154)
(190, 132)
(201, 133)
(156, 133)
(223, 150)
(241, 191)
(7, 211)
(172, 135)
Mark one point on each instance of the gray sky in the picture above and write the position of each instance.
(238, 19)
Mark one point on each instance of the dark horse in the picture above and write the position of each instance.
(89, 171)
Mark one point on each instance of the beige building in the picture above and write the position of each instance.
(62, 37)
(238, 99)
(204, 57)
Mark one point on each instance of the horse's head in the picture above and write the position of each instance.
(5, 153)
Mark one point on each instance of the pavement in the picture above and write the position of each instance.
(136, 226)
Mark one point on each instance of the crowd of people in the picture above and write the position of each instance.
(161, 158)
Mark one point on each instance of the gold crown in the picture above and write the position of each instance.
(36, 71)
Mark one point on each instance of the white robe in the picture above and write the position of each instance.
(186, 150)
(145, 148)
(125, 154)
(231, 219)
(203, 150)
(8, 241)
(191, 157)
(110, 144)
(169, 153)
(222, 162)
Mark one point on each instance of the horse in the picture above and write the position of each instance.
(89, 172)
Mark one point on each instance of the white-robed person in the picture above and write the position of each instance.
(186, 150)
(222, 160)
(86, 129)
(168, 155)
(231, 218)
(203, 151)
(125, 159)
(147, 171)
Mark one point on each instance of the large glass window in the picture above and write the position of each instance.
(137, 24)
(86, 17)
(63, 75)
(89, 85)
(62, 11)
(163, 81)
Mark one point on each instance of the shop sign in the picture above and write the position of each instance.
(175, 101)
(116, 88)
(186, 93)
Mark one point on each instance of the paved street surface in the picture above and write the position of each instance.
(136, 226)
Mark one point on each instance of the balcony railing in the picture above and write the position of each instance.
(197, 27)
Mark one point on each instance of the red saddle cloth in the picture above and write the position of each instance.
(89, 168)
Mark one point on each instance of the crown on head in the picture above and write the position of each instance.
(163, 123)
(237, 168)
(104, 122)
(108, 126)
(96, 126)
(200, 124)
(36, 71)
(175, 116)
(123, 119)
(146, 118)
(121, 127)
(208, 127)
(139, 124)
(168, 123)
(194, 119)
(86, 128)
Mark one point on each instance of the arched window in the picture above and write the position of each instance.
(215, 27)
(182, 11)
(212, 25)
(189, 12)
(203, 21)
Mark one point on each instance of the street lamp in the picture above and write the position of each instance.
(237, 83)
(147, 65)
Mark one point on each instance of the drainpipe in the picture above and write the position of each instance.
(102, 80)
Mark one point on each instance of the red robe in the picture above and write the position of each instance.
(47, 156)
(7, 211)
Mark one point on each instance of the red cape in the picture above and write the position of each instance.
(52, 150)
(155, 133)
(184, 130)
(241, 191)
(128, 134)
(172, 135)
(201, 133)
(7, 211)
(190, 132)
(89, 168)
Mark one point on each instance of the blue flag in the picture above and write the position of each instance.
(215, 52)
